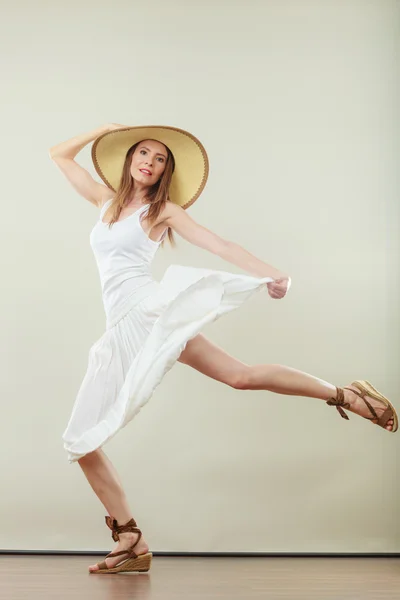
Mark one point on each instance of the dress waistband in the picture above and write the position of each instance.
(130, 302)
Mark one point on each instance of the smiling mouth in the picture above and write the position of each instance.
(145, 172)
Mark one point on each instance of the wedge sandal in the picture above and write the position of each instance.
(130, 561)
(363, 390)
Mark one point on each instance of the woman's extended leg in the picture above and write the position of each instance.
(209, 359)
(105, 482)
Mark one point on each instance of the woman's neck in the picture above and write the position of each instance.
(139, 195)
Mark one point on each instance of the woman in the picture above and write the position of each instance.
(152, 174)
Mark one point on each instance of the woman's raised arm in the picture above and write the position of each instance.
(63, 155)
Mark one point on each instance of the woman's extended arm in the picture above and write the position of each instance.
(176, 218)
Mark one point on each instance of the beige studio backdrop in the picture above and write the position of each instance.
(297, 104)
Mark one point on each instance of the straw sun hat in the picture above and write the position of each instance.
(191, 161)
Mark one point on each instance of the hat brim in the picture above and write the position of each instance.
(191, 161)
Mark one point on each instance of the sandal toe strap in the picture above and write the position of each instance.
(385, 417)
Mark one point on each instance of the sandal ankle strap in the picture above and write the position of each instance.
(129, 527)
(339, 402)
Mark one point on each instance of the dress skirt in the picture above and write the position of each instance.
(142, 343)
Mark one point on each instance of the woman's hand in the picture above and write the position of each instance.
(114, 126)
(70, 148)
(278, 289)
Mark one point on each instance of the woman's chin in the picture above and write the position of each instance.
(143, 180)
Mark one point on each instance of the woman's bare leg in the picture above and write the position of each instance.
(105, 483)
(209, 359)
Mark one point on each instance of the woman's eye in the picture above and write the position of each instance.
(160, 159)
(143, 152)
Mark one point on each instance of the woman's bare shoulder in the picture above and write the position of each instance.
(170, 210)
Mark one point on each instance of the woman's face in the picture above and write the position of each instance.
(148, 162)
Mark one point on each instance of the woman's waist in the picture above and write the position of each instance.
(119, 300)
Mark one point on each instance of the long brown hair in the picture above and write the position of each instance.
(157, 196)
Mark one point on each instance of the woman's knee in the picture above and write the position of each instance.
(241, 379)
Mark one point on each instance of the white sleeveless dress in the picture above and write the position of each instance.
(148, 325)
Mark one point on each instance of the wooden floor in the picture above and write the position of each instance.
(65, 577)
